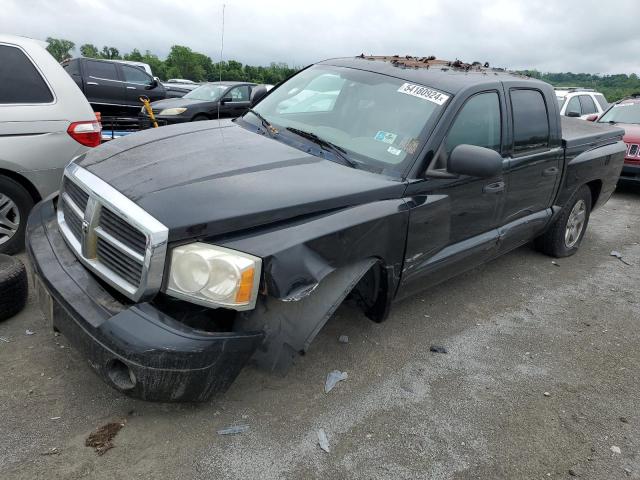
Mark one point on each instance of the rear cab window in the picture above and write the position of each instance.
(20, 80)
(531, 129)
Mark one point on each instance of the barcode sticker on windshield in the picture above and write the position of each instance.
(424, 93)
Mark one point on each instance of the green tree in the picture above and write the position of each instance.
(134, 56)
(184, 63)
(60, 48)
(89, 50)
(110, 53)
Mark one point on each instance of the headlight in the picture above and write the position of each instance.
(214, 276)
(172, 111)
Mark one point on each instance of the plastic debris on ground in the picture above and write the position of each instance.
(233, 430)
(553, 262)
(343, 339)
(618, 255)
(2, 339)
(29, 332)
(615, 450)
(438, 349)
(323, 441)
(333, 378)
(546, 394)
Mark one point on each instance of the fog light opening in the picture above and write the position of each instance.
(121, 375)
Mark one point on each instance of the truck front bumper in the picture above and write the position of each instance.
(135, 348)
(630, 173)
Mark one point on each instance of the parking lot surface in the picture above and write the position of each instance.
(541, 380)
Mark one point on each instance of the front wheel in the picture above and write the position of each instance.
(15, 205)
(565, 235)
(200, 118)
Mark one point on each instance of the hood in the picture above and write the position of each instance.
(175, 103)
(631, 132)
(210, 178)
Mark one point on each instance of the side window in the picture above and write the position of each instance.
(20, 81)
(103, 70)
(588, 106)
(71, 68)
(573, 106)
(239, 94)
(602, 101)
(530, 120)
(135, 75)
(477, 123)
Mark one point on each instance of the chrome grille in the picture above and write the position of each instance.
(118, 228)
(111, 235)
(633, 150)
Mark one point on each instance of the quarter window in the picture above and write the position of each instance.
(103, 70)
(478, 123)
(588, 106)
(530, 120)
(20, 81)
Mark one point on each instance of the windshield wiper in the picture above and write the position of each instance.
(327, 145)
(265, 123)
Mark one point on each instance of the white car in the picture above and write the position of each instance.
(580, 102)
(45, 121)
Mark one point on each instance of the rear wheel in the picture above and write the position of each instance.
(565, 235)
(15, 205)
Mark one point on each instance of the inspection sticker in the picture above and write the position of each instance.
(386, 137)
(424, 93)
(394, 151)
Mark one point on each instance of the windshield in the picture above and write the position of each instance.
(622, 113)
(375, 119)
(209, 92)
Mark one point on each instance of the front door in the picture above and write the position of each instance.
(452, 222)
(534, 167)
(139, 83)
(236, 101)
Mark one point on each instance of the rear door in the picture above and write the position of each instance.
(139, 83)
(102, 83)
(534, 166)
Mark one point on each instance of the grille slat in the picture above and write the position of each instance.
(79, 196)
(131, 271)
(75, 224)
(124, 232)
(633, 150)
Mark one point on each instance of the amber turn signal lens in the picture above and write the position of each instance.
(245, 287)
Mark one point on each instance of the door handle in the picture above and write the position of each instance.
(131, 88)
(551, 171)
(496, 187)
(92, 83)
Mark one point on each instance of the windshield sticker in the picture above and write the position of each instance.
(386, 137)
(424, 93)
(409, 145)
(394, 151)
(623, 105)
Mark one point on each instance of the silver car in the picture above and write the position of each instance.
(45, 121)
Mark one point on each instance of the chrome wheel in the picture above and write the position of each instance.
(575, 224)
(9, 218)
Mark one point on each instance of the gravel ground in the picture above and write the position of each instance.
(514, 329)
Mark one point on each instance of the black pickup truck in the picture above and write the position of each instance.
(174, 256)
(113, 88)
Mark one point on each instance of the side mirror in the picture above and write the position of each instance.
(592, 118)
(474, 161)
(226, 100)
(572, 114)
(152, 85)
(257, 94)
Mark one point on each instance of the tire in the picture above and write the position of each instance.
(15, 205)
(565, 235)
(199, 118)
(14, 287)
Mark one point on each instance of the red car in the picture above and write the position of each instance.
(626, 114)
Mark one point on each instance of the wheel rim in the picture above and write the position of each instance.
(575, 224)
(9, 218)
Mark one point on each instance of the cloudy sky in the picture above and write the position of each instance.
(597, 36)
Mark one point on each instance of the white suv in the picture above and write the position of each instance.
(580, 102)
(45, 121)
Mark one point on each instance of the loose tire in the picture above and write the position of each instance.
(14, 287)
(15, 205)
(565, 235)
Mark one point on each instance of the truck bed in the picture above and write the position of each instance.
(580, 133)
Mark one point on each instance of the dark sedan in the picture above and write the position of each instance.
(224, 99)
